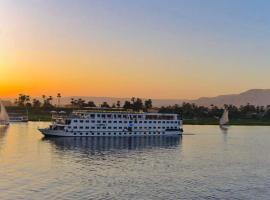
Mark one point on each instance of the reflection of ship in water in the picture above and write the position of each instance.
(92, 144)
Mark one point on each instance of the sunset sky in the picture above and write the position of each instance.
(142, 48)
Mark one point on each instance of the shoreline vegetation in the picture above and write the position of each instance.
(41, 110)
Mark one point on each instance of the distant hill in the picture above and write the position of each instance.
(260, 97)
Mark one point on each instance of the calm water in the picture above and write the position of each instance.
(207, 164)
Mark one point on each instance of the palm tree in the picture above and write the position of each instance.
(58, 99)
(44, 98)
(118, 104)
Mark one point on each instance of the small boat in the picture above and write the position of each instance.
(4, 118)
(224, 120)
(18, 116)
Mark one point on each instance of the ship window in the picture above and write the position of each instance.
(75, 121)
(103, 127)
(98, 133)
(75, 133)
(135, 127)
(93, 133)
(93, 121)
(139, 116)
(86, 133)
(150, 122)
(140, 122)
(115, 122)
(159, 122)
(120, 127)
(171, 122)
(109, 121)
(69, 126)
(120, 122)
(125, 122)
(168, 122)
(68, 121)
(163, 122)
(114, 133)
(145, 122)
(104, 121)
(81, 121)
(93, 127)
(98, 121)
(154, 127)
(103, 116)
(154, 122)
(109, 133)
(109, 127)
(104, 133)
(114, 127)
(80, 133)
(175, 122)
(109, 116)
(98, 127)
(75, 127)
(92, 116)
(98, 115)
(120, 116)
(120, 133)
(87, 121)
(81, 127)
(87, 127)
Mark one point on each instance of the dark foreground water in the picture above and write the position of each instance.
(208, 164)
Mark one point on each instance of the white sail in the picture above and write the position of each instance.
(224, 120)
(4, 118)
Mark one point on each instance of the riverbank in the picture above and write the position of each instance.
(46, 116)
(237, 122)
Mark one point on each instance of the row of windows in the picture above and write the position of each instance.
(128, 116)
(120, 122)
(120, 133)
(109, 127)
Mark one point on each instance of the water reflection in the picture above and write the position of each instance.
(3, 131)
(96, 144)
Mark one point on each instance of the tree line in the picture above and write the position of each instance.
(187, 110)
(193, 111)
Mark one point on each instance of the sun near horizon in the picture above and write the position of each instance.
(151, 49)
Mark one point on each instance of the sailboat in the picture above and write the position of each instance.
(224, 120)
(4, 118)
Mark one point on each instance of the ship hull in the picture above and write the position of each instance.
(61, 133)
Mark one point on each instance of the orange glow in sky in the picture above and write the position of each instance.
(102, 49)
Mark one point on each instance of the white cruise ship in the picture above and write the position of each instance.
(114, 123)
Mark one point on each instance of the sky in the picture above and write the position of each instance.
(144, 48)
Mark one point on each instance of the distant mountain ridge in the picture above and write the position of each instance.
(258, 97)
